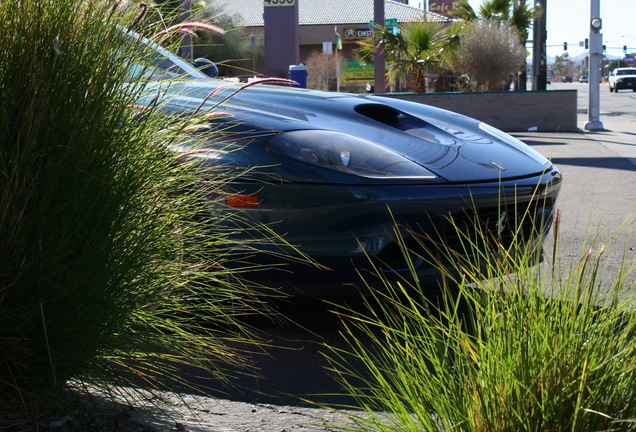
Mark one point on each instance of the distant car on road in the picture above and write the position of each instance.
(583, 79)
(567, 78)
(622, 78)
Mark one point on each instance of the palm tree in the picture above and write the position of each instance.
(447, 54)
(412, 52)
(465, 11)
(514, 12)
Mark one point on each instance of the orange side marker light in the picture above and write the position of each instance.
(242, 200)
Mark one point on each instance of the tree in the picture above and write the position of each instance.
(515, 13)
(447, 55)
(323, 71)
(228, 50)
(411, 53)
(616, 64)
(562, 64)
(490, 65)
(465, 12)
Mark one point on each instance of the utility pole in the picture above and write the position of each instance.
(522, 77)
(379, 67)
(539, 36)
(186, 50)
(593, 76)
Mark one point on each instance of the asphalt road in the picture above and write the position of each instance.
(597, 196)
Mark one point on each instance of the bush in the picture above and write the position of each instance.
(107, 275)
(490, 53)
(508, 347)
(322, 73)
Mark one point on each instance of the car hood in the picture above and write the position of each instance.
(625, 76)
(454, 147)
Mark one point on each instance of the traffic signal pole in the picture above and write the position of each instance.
(594, 78)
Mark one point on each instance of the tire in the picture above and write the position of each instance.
(611, 89)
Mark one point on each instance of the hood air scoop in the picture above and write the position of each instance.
(404, 122)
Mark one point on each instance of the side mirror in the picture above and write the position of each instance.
(206, 66)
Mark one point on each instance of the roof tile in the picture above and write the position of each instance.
(249, 13)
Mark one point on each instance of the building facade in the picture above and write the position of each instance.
(318, 23)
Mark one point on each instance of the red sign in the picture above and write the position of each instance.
(443, 7)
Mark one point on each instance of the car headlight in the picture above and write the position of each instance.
(514, 142)
(345, 153)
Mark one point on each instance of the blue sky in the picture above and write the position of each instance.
(568, 21)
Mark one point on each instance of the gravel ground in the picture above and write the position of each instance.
(171, 412)
(202, 414)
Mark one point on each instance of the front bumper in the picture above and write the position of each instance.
(626, 83)
(351, 229)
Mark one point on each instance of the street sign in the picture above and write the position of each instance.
(389, 22)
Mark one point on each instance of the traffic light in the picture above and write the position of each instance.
(587, 43)
(625, 49)
(565, 46)
(604, 49)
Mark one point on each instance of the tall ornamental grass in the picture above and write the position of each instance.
(110, 273)
(509, 346)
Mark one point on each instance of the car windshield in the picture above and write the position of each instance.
(155, 67)
(627, 72)
(157, 63)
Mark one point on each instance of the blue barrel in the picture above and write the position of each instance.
(298, 73)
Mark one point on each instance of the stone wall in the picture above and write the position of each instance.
(547, 111)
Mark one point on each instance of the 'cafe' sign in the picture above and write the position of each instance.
(443, 7)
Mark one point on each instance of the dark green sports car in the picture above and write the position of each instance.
(334, 175)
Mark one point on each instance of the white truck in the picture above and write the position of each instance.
(622, 78)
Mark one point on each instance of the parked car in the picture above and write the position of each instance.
(567, 78)
(334, 174)
(622, 78)
(583, 79)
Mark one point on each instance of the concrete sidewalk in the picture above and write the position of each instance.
(598, 197)
(619, 134)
